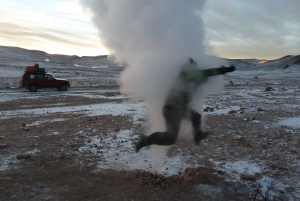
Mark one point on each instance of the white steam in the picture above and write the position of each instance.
(155, 37)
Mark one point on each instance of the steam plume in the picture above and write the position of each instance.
(155, 37)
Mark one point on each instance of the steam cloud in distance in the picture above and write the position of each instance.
(155, 38)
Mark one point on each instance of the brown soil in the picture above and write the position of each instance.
(58, 172)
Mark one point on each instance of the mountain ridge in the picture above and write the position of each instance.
(22, 56)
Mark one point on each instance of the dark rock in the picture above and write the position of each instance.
(208, 109)
(23, 156)
(247, 177)
(269, 89)
(131, 110)
(259, 109)
(111, 94)
(232, 112)
(116, 130)
(3, 146)
(289, 189)
(141, 119)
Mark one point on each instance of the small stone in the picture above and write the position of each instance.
(269, 89)
(259, 109)
(23, 156)
(289, 189)
(208, 109)
(2, 146)
(247, 177)
(232, 112)
(23, 125)
(116, 130)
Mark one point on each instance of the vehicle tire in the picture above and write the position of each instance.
(63, 87)
(33, 88)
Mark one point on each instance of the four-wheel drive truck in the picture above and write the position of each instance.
(33, 80)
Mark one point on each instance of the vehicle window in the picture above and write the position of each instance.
(32, 77)
(40, 77)
(48, 77)
(26, 77)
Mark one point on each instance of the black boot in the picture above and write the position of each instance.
(158, 138)
(199, 136)
(141, 143)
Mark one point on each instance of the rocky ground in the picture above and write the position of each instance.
(79, 144)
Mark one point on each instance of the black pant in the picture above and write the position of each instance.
(173, 115)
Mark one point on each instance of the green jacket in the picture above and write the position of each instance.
(189, 79)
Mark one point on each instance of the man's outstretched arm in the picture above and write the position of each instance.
(218, 71)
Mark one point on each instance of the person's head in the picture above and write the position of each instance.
(36, 65)
(192, 61)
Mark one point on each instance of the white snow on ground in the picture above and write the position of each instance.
(266, 183)
(90, 110)
(291, 122)
(5, 163)
(10, 72)
(210, 190)
(118, 153)
(242, 167)
(19, 93)
(127, 158)
(41, 122)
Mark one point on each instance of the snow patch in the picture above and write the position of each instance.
(242, 167)
(291, 122)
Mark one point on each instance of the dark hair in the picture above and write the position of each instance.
(36, 65)
(192, 61)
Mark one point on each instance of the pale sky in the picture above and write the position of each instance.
(262, 29)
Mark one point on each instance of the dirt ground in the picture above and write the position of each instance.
(57, 170)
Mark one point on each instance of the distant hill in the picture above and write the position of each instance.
(241, 64)
(15, 56)
(23, 57)
(255, 64)
(285, 62)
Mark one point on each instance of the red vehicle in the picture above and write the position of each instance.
(35, 80)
